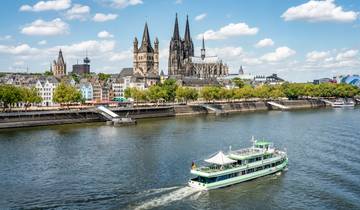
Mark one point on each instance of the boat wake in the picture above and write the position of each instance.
(167, 198)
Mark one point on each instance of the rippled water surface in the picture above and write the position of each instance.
(94, 166)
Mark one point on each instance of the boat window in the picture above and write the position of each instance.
(259, 168)
(250, 170)
(243, 172)
(267, 166)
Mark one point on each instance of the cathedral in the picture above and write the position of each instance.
(59, 66)
(183, 62)
(146, 59)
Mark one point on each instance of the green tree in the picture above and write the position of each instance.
(226, 94)
(135, 94)
(48, 73)
(30, 96)
(156, 93)
(186, 94)
(65, 94)
(210, 93)
(238, 82)
(9, 95)
(103, 76)
(169, 87)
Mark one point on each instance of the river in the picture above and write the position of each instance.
(94, 166)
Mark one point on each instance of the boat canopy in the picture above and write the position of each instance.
(220, 159)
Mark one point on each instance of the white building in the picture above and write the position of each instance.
(46, 90)
(121, 84)
(86, 90)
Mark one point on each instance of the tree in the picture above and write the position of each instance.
(30, 96)
(169, 87)
(9, 95)
(186, 94)
(238, 82)
(210, 93)
(65, 94)
(103, 76)
(226, 93)
(48, 73)
(156, 93)
(135, 94)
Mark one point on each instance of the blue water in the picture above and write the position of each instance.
(94, 166)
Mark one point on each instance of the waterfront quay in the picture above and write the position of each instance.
(57, 117)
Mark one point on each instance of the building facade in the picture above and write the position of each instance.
(59, 66)
(183, 63)
(83, 68)
(86, 90)
(46, 88)
(146, 59)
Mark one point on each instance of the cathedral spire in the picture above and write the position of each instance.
(146, 44)
(203, 49)
(176, 35)
(187, 30)
(60, 59)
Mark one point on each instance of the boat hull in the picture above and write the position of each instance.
(238, 179)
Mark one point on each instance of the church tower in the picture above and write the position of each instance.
(175, 51)
(59, 66)
(188, 44)
(146, 58)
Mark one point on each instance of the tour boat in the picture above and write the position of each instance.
(238, 166)
(342, 103)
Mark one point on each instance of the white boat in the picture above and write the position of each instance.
(238, 166)
(340, 103)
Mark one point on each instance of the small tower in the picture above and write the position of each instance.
(203, 49)
(241, 71)
(59, 66)
(156, 54)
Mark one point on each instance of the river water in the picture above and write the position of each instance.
(94, 166)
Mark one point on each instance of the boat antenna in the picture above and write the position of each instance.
(253, 140)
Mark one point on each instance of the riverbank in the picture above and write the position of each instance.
(41, 118)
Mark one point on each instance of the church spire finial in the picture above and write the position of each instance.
(187, 30)
(176, 35)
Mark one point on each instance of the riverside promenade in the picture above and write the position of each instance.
(20, 119)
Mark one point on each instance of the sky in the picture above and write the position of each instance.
(300, 40)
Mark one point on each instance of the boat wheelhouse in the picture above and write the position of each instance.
(238, 166)
(341, 103)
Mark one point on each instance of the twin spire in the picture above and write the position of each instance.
(176, 35)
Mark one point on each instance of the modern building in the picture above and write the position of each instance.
(59, 66)
(183, 62)
(349, 79)
(146, 59)
(83, 68)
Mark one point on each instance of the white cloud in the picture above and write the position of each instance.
(231, 30)
(22, 49)
(121, 56)
(178, 1)
(78, 11)
(347, 55)
(100, 17)
(125, 3)
(42, 42)
(105, 35)
(316, 56)
(316, 11)
(227, 53)
(92, 46)
(44, 28)
(47, 5)
(201, 17)
(264, 43)
(280, 53)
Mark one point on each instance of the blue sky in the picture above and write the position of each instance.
(300, 40)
